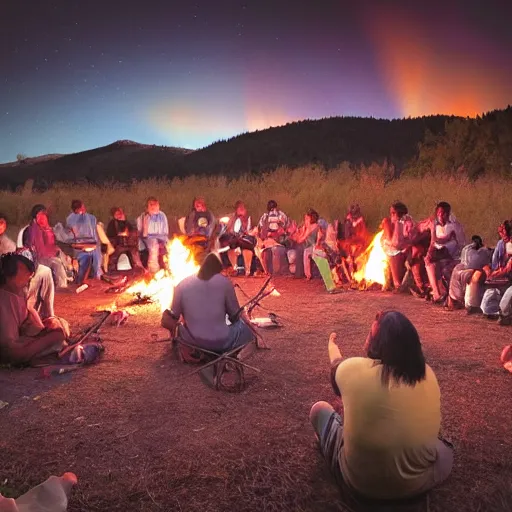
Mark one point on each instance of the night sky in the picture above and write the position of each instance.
(77, 74)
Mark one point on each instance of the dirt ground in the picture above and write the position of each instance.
(144, 435)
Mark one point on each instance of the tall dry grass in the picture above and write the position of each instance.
(480, 205)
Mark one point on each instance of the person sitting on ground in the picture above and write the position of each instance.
(468, 276)
(153, 231)
(23, 335)
(41, 238)
(355, 232)
(202, 301)
(327, 247)
(396, 240)
(447, 241)
(200, 222)
(6, 244)
(385, 445)
(239, 237)
(497, 296)
(305, 240)
(420, 244)
(124, 238)
(41, 289)
(86, 241)
(272, 232)
(502, 251)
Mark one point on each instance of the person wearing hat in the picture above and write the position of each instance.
(41, 239)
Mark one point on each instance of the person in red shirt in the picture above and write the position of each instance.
(41, 238)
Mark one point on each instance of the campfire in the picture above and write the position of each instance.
(372, 264)
(180, 264)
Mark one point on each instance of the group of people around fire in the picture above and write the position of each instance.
(429, 259)
(386, 445)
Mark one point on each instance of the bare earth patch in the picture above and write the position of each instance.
(144, 435)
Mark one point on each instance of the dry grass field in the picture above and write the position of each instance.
(480, 205)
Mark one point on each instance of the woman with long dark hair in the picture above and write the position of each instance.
(203, 302)
(386, 445)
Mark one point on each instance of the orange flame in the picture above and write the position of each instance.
(373, 263)
(180, 264)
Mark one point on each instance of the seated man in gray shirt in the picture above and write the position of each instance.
(204, 301)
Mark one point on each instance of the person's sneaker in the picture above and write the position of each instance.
(472, 310)
(453, 305)
(505, 320)
(440, 301)
(418, 294)
(491, 317)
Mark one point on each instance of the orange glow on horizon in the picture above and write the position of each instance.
(427, 75)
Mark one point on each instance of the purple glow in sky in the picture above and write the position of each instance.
(77, 75)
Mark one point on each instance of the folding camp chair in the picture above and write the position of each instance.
(223, 371)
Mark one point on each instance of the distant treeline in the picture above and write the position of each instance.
(427, 145)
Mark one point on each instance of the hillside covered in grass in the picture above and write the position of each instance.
(326, 142)
(418, 146)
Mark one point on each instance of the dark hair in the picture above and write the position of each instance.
(271, 205)
(477, 241)
(400, 208)
(3, 216)
(76, 204)
(9, 265)
(115, 209)
(355, 210)
(238, 204)
(200, 199)
(507, 226)
(210, 266)
(152, 199)
(444, 206)
(36, 209)
(313, 215)
(396, 345)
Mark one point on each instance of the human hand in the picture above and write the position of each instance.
(333, 349)
(52, 324)
(385, 222)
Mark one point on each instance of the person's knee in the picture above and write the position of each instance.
(318, 409)
(444, 463)
(478, 277)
